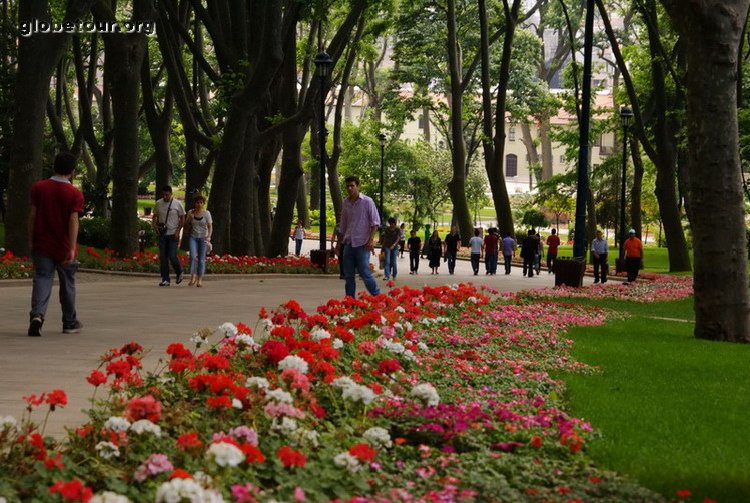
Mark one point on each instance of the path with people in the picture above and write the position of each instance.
(116, 309)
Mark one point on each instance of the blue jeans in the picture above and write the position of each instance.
(167, 254)
(490, 262)
(391, 257)
(297, 247)
(44, 270)
(508, 259)
(451, 256)
(358, 257)
(197, 256)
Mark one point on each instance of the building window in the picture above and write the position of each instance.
(421, 121)
(511, 165)
(512, 134)
(562, 159)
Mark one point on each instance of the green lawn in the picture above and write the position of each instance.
(672, 410)
(655, 259)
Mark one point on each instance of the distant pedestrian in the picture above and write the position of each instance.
(633, 255)
(491, 242)
(168, 219)
(390, 247)
(298, 234)
(452, 244)
(600, 251)
(200, 224)
(509, 251)
(539, 253)
(415, 249)
(53, 233)
(337, 244)
(435, 251)
(359, 221)
(553, 242)
(402, 239)
(476, 244)
(529, 248)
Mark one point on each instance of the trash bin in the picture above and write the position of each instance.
(569, 272)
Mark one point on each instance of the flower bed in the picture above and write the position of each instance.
(12, 267)
(658, 287)
(440, 394)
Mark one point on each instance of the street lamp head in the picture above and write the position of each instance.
(381, 137)
(626, 116)
(323, 63)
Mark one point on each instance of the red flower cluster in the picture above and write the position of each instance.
(289, 457)
(73, 490)
(145, 407)
(363, 452)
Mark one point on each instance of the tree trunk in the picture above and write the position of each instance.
(314, 185)
(711, 30)
(269, 152)
(637, 188)
(244, 197)
(122, 69)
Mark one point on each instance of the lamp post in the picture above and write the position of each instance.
(381, 138)
(323, 63)
(625, 116)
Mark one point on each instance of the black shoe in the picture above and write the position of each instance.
(35, 327)
(72, 328)
(179, 279)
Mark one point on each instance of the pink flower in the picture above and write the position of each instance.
(154, 465)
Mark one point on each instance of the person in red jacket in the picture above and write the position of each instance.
(553, 241)
(53, 231)
(633, 255)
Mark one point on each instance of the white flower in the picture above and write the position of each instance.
(146, 426)
(237, 404)
(279, 395)
(257, 382)
(393, 347)
(245, 339)
(109, 497)
(320, 334)
(347, 461)
(286, 426)
(409, 355)
(305, 436)
(178, 490)
(225, 454)
(227, 329)
(8, 423)
(293, 362)
(473, 300)
(337, 343)
(343, 382)
(378, 437)
(107, 450)
(427, 393)
(359, 393)
(198, 339)
(117, 424)
(399, 309)
(422, 346)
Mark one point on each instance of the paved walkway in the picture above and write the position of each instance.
(118, 309)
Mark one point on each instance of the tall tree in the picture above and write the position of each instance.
(711, 30)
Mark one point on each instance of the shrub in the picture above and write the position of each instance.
(95, 232)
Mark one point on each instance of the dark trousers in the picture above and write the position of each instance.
(475, 262)
(507, 261)
(451, 256)
(601, 264)
(414, 261)
(167, 255)
(632, 265)
(528, 266)
(551, 261)
(490, 262)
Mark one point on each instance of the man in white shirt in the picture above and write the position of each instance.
(168, 220)
(600, 251)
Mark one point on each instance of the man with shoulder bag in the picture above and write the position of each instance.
(168, 219)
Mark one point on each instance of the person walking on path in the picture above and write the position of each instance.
(168, 220)
(415, 249)
(53, 224)
(200, 226)
(402, 238)
(298, 234)
(476, 244)
(391, 236)
(553, 242)
(509, 251)
(337, 244)
(452, 244)
(600, 251)
(435, 251)
(529, 248)
(633, 255)
(539, 253)
(490, 249)
(359, 221)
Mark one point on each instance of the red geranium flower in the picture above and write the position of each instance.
(57, 397)
(289, 457)
(177, 350)
(389, 366)
(146, 407)
(189, 441)
(275, 351)
(219, 402)
(683, 493)
(252, 453)
(363, 452)
(96, 378)
(73, 490)
(179, 473)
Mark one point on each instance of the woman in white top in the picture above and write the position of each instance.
(201, 226)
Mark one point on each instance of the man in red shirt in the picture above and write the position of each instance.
(553, 241)
(53, 234)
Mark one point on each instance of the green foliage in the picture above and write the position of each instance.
(534, 218)
(96, 232)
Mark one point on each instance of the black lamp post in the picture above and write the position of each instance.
(625, 116)
(381, 137)
(323, 63)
